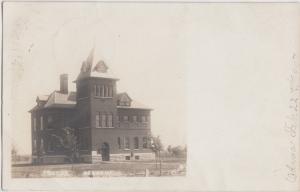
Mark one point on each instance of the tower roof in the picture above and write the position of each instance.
(99, 69)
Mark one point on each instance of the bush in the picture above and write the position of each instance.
(177, 151)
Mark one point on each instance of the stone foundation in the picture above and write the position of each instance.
(86, 158)
(53, 159)
(95, 158)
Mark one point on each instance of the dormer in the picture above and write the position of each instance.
(100, 67)
(41, 100)
(95, 80)
(91, 69)
(123, 100)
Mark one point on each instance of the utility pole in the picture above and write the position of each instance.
(159, 163)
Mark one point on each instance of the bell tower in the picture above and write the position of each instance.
(96, 101)
(103, 97)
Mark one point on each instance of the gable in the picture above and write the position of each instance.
(100, 67)
(124, 99)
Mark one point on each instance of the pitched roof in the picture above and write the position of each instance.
(58, 99)
(91, 69)
(35, 108)
(134, 105)
(122, 95)
(42, 97)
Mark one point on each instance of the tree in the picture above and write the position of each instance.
(68, 141)
(14, 153)
(156, 147)
(169, 149)
(178, 151)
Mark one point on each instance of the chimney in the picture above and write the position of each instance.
(64, 83)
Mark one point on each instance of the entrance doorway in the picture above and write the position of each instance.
(105, 151)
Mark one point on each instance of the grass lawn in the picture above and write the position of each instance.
(170, 167)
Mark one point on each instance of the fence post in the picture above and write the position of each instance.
(159, 164)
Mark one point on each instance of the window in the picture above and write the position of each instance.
(109, 120)
(124, 103)
(145, 142)
(106, 91)
(34, 124)
(134, 118)
(127, 143)
(101, 93)
(97, 90)
(83, 142)
(49, 119)
(119, 143)
(42, 123)
(110, 91)
(42, 146)
(125, 118)
(136, 143)
(98, 120)
(34, 146)
(143, 119)
(127, 157)
(137, 157)
(124, 100)
(103, 120)
(51, 145)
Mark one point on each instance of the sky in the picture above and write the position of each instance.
(218, 77)
(144, 50)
